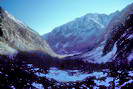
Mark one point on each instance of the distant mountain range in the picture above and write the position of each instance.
(82, 34)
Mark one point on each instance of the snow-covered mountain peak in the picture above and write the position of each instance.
(75, 35)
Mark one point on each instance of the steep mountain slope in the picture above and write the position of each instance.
(15, 36)
(81, 34)
(118, 43)
(121, 34)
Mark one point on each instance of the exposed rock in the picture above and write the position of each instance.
(17, 36)
(117, 45)
(82, 34)
(121, 33)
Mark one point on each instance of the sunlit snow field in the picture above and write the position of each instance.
(71, 77)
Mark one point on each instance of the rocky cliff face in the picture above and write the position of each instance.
(118, 44)
(15, 36)
(82, 34)
(121, 34)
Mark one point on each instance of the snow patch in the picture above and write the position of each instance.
(104, 83)
(130, 73)
(101, 25)
(130, 37)
(37, 85)
(13, 87)
(69, 75)
(108, 56)
(63, 76)
(130, 57)
(130, 81)
(96, 55)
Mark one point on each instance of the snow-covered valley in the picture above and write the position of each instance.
(75, 79)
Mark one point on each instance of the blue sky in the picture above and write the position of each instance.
(44, 15)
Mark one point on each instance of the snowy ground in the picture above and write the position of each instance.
(31, 77)
(69, 75)
(74, 79)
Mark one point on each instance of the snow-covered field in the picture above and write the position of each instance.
(69, 75)
(77, 79)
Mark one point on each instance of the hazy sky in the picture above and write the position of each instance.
(44, 15)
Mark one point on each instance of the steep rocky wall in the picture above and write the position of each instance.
(20, 37)
(121, 32)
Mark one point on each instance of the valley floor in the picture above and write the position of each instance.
(26, 76)
(75, 79)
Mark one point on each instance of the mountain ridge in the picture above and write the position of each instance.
(67, 37)
(20, 37)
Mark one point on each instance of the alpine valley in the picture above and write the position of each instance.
(94, 51)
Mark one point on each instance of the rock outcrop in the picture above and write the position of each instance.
(121, 33)
(15, 36)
